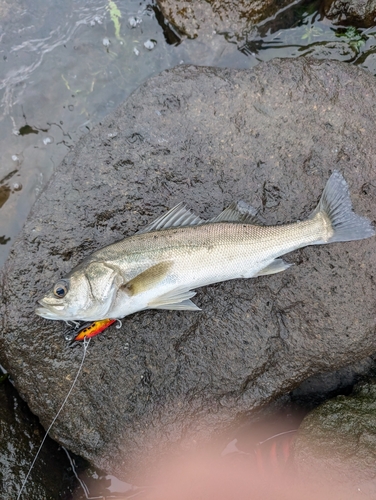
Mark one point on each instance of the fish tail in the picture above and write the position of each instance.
(336, 204)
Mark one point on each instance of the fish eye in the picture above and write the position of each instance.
(61, 289)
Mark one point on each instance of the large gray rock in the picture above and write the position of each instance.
(270, 136)
(233, 17)
(360, 13)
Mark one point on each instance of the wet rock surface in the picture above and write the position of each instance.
(337, 441)
(20, 437)
(167, 380)
(360, 13)
(234, 18)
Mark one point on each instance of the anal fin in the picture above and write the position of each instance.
(277, 266)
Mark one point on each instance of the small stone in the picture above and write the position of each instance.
(134, 21)
(150, 44)
(96, 20)
(106, 42)
(136, 51)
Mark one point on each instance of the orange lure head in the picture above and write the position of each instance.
(88, 331)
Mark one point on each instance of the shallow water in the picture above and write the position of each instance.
(65, 65)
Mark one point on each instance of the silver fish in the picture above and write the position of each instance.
(158, 267)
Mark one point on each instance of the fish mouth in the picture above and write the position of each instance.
(46, 313)
(49, 311)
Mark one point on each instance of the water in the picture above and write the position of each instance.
(65, 65)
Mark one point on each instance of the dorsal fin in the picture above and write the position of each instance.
(238, 212)
(178, 216)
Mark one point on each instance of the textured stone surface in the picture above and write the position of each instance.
(270, 136)
(338, 440)
(360, 13)
(234, 17)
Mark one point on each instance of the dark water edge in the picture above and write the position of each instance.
(61, 76)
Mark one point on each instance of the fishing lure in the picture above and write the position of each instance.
(89, 330)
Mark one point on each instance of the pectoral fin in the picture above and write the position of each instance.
(147, 279)
(177, 299)
(185, 305)
(274, 267)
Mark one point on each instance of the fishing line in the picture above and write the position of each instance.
(86, 344)
(83, 485)
(277, 435)
(86, 489)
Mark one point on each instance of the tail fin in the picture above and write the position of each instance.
(335, 202)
